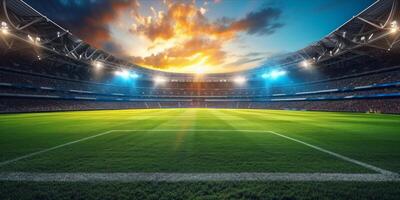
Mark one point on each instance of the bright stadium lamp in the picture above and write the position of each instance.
(98, 65)
(394, 27)
(31, 38)
(133, 75)
(276, 74)
(35, 40)
(305, 63)
(265, 76)
(122, 73)
(4, 28)
(240, 80)
(118, 73)
(159, 80)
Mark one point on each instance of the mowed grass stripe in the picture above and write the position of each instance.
(368, 138)
(236, 118)
(51, 149)
(21, 134)
(154, 151)
(368, 166)
(314, 129)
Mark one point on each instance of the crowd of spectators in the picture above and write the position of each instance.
(193, 89)
(29, 83)
(15, 105)
(365, 106)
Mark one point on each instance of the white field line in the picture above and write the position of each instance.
(342, 157)
(368, 166)
(384, 175)
(51, 149)
(192, 177)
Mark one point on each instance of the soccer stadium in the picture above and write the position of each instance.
(199, 99)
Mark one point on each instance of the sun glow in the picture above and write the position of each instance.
(181, 38)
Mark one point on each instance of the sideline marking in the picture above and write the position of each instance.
(365, 165)
(193, 177)
(52, 148)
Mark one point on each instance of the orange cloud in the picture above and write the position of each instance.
(197, 41)
(179, 37)
(186, 55)
(184, 19)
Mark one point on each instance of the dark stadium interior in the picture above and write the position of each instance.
(360, 76)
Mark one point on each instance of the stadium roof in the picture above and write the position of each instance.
(372, 32)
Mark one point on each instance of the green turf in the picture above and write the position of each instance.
(202, 190)
(373, 139)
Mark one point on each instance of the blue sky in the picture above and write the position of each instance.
(207, 36)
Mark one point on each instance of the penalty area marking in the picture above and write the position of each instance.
(384, 175)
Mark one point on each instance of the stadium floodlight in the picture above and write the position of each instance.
(122, 73)
(159, 80)
(4, 28)
(266, 75)
(277, 73)
(126, 74)
(30, 38)
(133, 75)
(305, 63)
(98, 65)
(394, 28)
(274, 74)
(35, 40)
(240, 80)
(118, 73)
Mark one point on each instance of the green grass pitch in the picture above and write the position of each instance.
(183, 141)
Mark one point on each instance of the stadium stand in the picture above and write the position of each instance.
(366, 80)
(50, 94)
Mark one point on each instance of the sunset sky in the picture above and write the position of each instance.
(207, 36)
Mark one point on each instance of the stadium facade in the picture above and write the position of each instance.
(356, 68)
